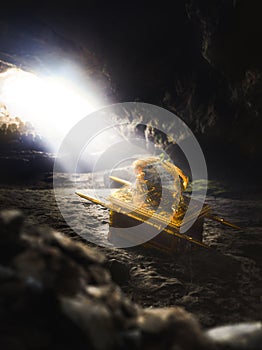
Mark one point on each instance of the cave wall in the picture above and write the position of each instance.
(200, 59)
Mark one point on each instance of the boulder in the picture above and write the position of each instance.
(58, 294)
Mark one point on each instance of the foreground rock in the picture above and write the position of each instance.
(58, 294)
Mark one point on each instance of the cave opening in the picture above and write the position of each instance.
(40, 107)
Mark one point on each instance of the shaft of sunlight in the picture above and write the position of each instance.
(52, 105)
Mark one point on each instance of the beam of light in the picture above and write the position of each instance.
(52, 105)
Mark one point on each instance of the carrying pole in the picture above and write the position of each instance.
(222, 221)
(140, 216)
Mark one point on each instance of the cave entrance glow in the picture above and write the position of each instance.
(52, 105)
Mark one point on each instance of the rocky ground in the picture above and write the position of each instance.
(58, 294)
(221, 285)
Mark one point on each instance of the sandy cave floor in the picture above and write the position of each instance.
(220, 285)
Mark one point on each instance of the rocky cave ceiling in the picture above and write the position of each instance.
(200, 59)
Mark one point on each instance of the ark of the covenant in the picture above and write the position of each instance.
(151, 210)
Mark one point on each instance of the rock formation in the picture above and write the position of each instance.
(58, 294)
